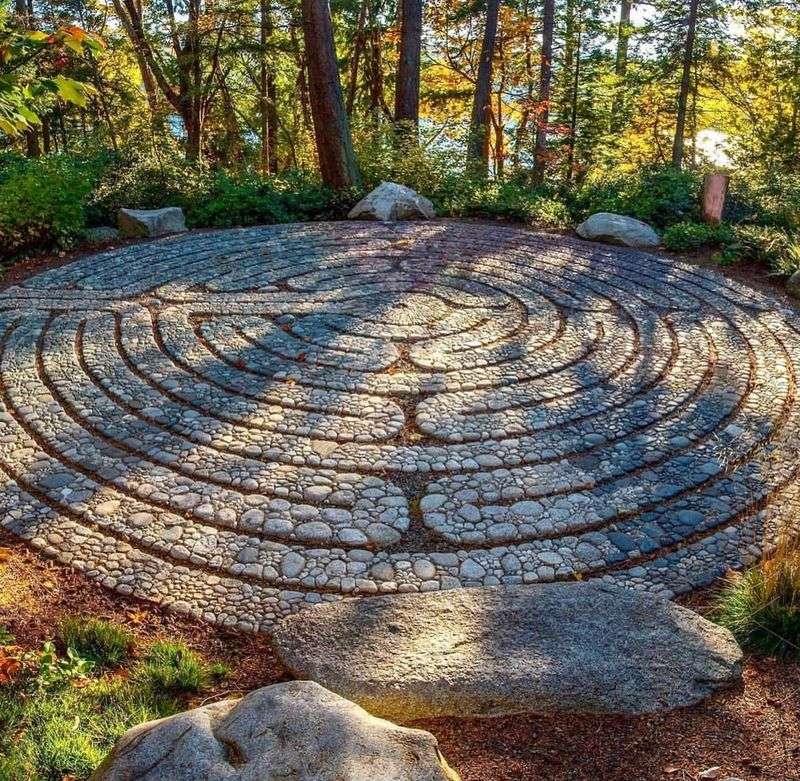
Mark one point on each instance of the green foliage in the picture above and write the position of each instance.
(145, 179)
(250, 200)
(692, 236)
(21, 85)
(761, 607)
(768, 198)
(6, 638)
(777, 248)
(174, 668)
(53, 670)
(105, 644)
(42, 202)
(660, 196)
(476, 197)
(57, 719)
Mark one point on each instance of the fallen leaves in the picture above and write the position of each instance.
(10, 666)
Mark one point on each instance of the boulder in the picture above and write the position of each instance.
(617, 229)
(559, 647)
(793, 285)
(389, 202)
(147, 223)
(294, 730)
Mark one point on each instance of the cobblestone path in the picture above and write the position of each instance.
(245, 422)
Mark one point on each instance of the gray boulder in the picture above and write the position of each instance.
(294, 730)
(389, 202)
(617, 229)
(560, 647)
(148, 223)
(793, 285)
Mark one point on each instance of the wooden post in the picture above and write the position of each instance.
(715, 188)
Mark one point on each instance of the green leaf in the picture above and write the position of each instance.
(70, 90)
(30, 116)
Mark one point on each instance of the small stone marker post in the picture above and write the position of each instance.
(715, 188)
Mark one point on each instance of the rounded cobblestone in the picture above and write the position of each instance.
(239, 424)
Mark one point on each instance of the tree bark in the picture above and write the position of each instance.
(688, 59)
(623, 37)
(545, 77)
(479, 126)
(406, 100)
(331, 127)
(268, 110)
(25, 17)
(621, 65)
(358, 48)
(573, 120)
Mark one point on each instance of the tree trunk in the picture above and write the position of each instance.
(522, 127)
(573, 120)
(478, 140)
(331, 128)
(268, 111)
(688, 59)
(621, 65)
(545, 76)
(377, 101)
(25, 20)
(406, 100)
(358, 48)
(46, 135)
(623, 36)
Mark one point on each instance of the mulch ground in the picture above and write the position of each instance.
(751, 733)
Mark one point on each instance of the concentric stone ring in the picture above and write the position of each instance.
(242, 423)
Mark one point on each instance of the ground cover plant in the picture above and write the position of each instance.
(761, 606)
(63, 705)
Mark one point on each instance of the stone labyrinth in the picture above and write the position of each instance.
(242, 423)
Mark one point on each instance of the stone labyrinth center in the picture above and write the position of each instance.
(242, 423)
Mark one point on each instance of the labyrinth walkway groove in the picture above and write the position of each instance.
(239, 424)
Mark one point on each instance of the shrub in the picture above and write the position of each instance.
(761, 607)
(779, 249)
(691, 236)
(102, 642)
(661, 196)
(475, 197)
(145, 180)
(174, 668)
(768, 198)
(42, 203)
(250, 200)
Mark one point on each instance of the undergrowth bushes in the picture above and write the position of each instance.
(47, 204)
(660, 196)
(42, 202)
(777, 248)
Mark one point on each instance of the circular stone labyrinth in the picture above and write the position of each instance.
(242, 423)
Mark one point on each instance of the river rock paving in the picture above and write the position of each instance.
(239, 424)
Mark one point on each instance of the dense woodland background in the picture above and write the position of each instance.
(253, 111)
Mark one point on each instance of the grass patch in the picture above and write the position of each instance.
(174, 668)
(761, 607)
(62, 713)
(102, 642)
